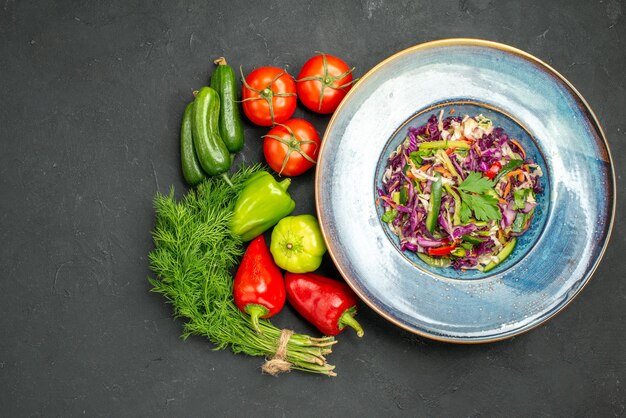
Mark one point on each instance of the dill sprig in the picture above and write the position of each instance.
(193, 258)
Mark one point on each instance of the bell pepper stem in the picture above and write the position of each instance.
(256, 311)
(285, 184)
(347, 319)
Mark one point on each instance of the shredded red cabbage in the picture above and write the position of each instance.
(488, 190)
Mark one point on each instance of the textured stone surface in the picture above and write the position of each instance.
(92, 95)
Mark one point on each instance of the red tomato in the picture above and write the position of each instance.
(493, 170)
(291, 148)
(269, 96)
(323, 82)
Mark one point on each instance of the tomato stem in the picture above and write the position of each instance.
(327, 81)
(292, 145)
(267, 93)
(285, 184)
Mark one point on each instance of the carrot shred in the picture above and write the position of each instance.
(389, 201)
(519, 146)
(425, 167)
(520, 177)
(443, 171)
(515, 173)
(507, 189)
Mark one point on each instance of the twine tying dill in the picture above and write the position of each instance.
(277, 364)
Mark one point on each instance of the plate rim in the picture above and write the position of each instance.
(493, 45)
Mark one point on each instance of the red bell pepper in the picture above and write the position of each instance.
(326, 303)
(445, 250)
(493, 170)
(259, 289)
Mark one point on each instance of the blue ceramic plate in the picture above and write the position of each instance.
(535, 105)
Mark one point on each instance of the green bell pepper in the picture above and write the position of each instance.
(262, 203)
(297, 244)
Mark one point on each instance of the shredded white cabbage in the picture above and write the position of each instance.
(420, 174)
(468, 127)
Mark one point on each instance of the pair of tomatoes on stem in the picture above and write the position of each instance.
(269, 99)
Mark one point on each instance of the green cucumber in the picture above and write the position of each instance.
(404, 196)
(441, 262)
(518, 223)
(459, 252)
(435, 203)
(502, 255)
(210, 149)
(192, 171)
(223, 81)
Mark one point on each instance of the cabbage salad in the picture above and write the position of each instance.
(458, 192)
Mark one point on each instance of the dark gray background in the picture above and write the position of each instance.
(92, 93)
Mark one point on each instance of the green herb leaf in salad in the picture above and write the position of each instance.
(389, 216)
(416, 158)
(466, 212)
(476, 183)
(484, 206)
(520, 197)
(483, 122)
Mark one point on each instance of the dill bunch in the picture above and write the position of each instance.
(193, 258)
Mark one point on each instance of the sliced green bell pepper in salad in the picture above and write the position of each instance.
(434, 204)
